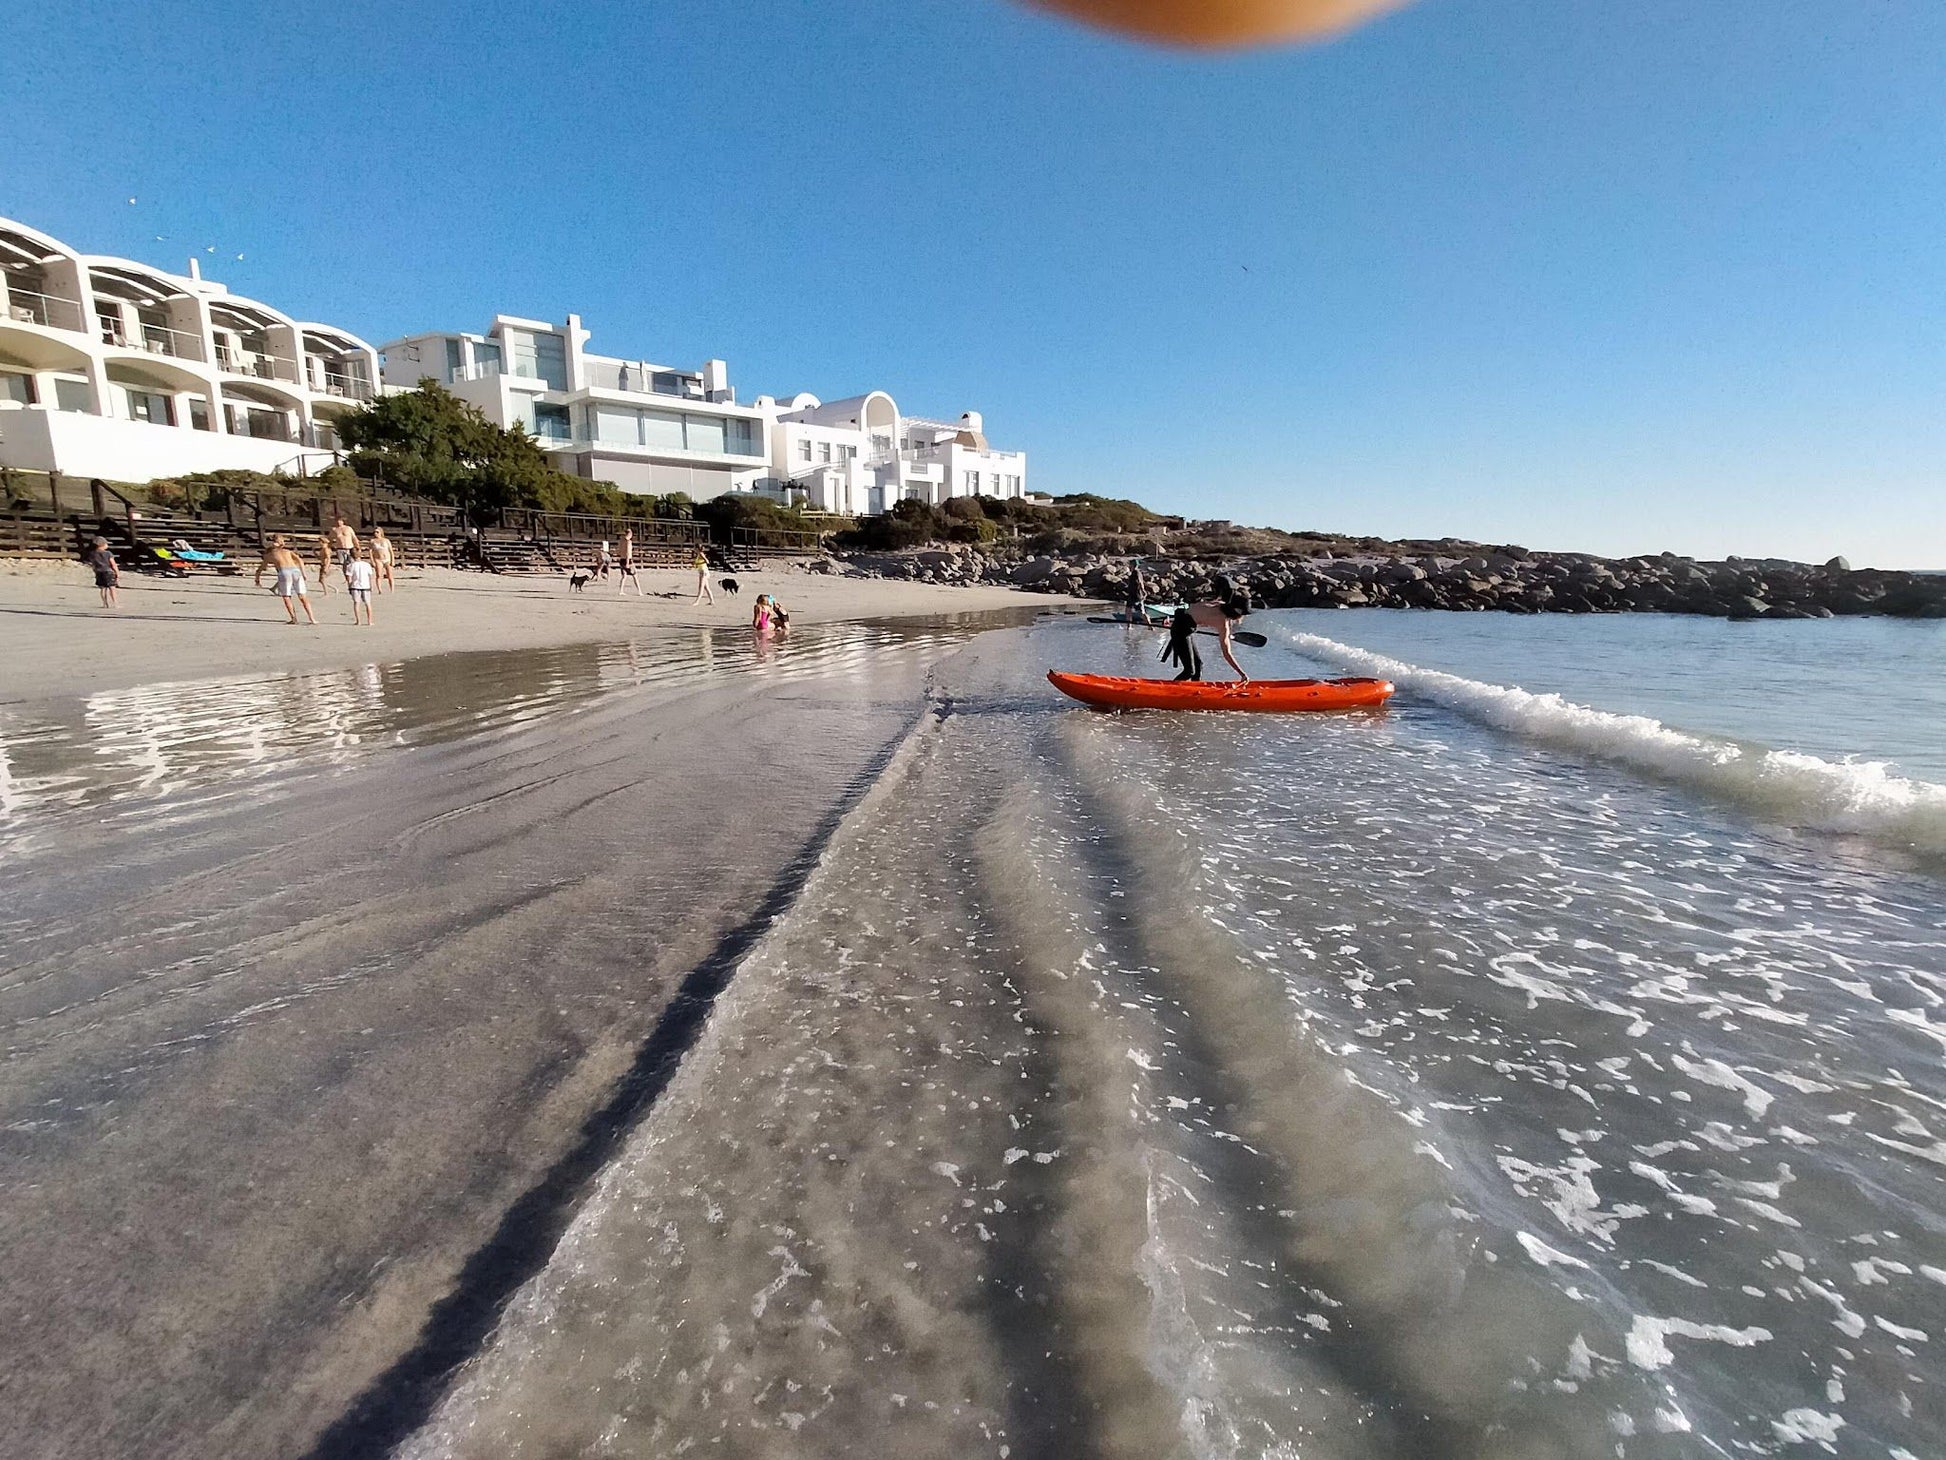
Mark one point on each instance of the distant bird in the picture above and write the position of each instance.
(131, 202)
(161, 238)
(210, 249)
(239, 258)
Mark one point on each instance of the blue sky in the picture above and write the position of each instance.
(1614, 276)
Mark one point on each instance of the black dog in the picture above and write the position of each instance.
(578, 579)
(728, 585)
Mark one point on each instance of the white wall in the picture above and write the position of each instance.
(34, 438)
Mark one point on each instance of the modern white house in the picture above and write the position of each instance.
(112, 368)
(658, 429)
(645, 427)
(860, 455)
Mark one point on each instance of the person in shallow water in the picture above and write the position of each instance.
(1138, 595)
(1219, 615)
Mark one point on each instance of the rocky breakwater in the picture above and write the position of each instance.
(1510, 580)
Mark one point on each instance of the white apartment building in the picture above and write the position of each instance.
(111, 368)
(657, 429)
(645, 427)
(861, 456)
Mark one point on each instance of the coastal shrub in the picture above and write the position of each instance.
(740, 509)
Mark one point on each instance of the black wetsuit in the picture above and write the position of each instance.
(1181, 648)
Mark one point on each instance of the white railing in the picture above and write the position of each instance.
(263, 367)
(351, 387)
(478, 370)
(632, 379)
(156, 339)
(46, 310)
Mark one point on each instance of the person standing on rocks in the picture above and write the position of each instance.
(1219, 616)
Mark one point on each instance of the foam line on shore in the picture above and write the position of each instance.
(1862, 798)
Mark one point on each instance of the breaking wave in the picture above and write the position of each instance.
(1862, 798)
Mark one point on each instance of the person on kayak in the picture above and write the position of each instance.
(1218, 615)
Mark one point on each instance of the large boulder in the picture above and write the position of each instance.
(1034, 570)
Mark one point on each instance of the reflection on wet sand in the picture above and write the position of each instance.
(312, 980)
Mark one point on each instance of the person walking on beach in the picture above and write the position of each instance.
(703, 595)
(108, 575)
(1220, 615)
(344, 543)
(627, 574)
(324, 564)
(603, 562)
(289, 568)
(361, 579)
(381, 546)
(1138, 595)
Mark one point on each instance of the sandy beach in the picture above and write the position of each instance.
(59, 640)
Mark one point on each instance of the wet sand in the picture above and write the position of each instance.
(59, 640)
(325, 993)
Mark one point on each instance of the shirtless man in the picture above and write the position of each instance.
(324, 563)
(1220, 615)
(344, 543)
(289, 568)
(381, 547)
(627, 574)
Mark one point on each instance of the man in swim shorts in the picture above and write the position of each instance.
(344, 544)
(289, 568)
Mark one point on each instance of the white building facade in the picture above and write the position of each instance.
(647, 428)
(861, 456)
(111, 368)
(657, 429)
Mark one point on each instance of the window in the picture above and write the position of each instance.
(111, 326)
(17, 390)
(973, 483)
(613, 427)
(485, 354)
(804, 449)
(453, 361)
(744, 437)
(824, 451)
(540, 357)
(551, 422)
(663, 430)
(705, 433)
(851, 453)
(198, 413)
(73, 395)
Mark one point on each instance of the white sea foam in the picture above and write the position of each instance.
(1864, 798)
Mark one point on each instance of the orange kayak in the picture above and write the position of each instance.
(1108, 693)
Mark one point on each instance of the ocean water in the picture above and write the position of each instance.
(1546, 1066)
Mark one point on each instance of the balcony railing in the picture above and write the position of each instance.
(263, 367)
(478, 370)
(46, 310)
(155, 339)
(350, 387)
(632, 379)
